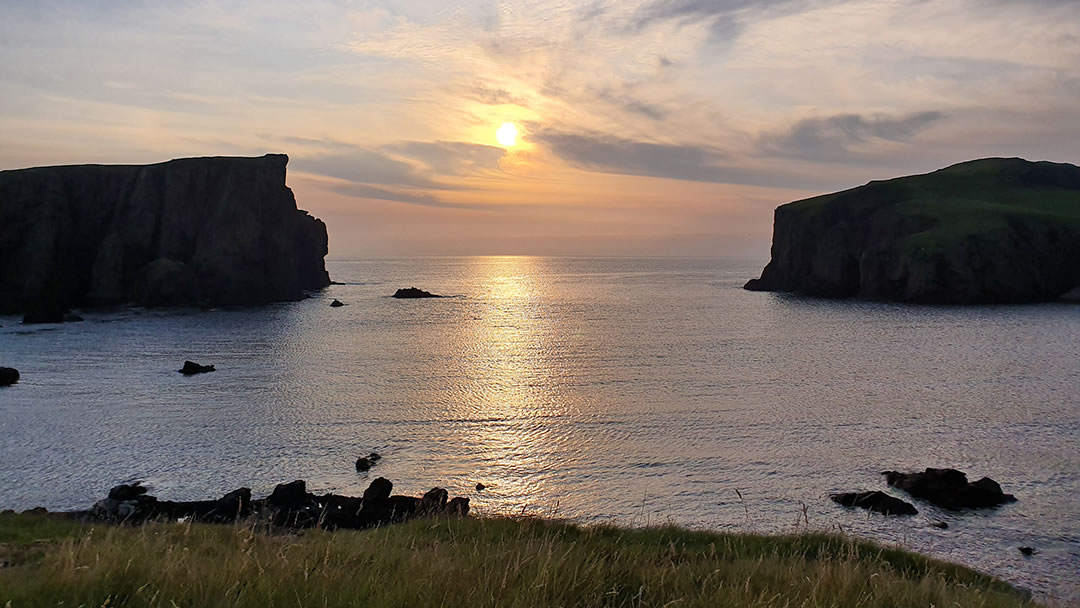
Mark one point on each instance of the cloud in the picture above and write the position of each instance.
(693, 11)
(832, 137)
(367, 191)
(609, 154)
(451, 157)
(408, 171)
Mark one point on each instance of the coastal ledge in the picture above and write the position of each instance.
(997, 230)
(468, 562)
(213, 231)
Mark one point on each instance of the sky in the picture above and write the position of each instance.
(646, 127)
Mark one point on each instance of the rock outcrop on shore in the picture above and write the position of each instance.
(985, 231)
(290, 505)
(188, 232)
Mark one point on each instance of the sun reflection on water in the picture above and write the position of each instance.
(510, 351)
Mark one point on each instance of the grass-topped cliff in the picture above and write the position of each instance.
(466, 562)
(991, 230)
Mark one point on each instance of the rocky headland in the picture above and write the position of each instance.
(998, 230)
(188, 232)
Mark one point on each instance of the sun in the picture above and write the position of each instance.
(507, 134)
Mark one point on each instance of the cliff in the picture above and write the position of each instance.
(985, 231)
(188, 232)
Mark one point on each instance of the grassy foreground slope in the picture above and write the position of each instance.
(467, 562)
(990, 230)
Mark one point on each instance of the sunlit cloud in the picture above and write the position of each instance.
(391, 108)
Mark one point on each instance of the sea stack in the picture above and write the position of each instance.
(997, 230)
(189, 232)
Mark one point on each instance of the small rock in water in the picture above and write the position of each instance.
(190, 367)
(374, 457)
(1028, 551)
(412, 292)
(336, 304)
(127, 491)
(875, 501)
(8, 376)
(480, 487)
(940, 524)
(363, 464)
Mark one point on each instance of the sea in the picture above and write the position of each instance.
(633, 391)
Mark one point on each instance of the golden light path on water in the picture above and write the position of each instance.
(510, 347)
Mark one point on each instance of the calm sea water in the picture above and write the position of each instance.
(629, 390)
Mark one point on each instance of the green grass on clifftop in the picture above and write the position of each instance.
(973, 197)
(470, 563)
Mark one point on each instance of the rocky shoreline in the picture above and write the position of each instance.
(289, 506)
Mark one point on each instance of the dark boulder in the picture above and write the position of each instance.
(875, 501)
(336, 304)
(950, 489)
(234, 505)
(434, 501)
(8, 376)
(378, 490)
(363, 464)
(191, 368)
(292, 495)
(459, 505)
(1028, 551)
(374, 457)
(412, 292)
(480, 487)
(127, 491)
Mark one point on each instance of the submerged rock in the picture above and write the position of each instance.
(336, 304)
(190, 368)
(412, 292)
(875, 501)
(950, 489)
(8, 376)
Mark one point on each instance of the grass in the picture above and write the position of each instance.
(470, 562)
(977, 197)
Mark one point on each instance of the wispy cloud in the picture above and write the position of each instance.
(832, 138)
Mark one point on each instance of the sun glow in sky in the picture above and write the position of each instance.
(507, 134)
(653, 126)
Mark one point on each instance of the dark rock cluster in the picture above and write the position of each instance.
(950, 489)
(188, 232)
(290, 505)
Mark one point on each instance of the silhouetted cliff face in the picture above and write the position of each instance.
(992, 230)
(188, 232)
